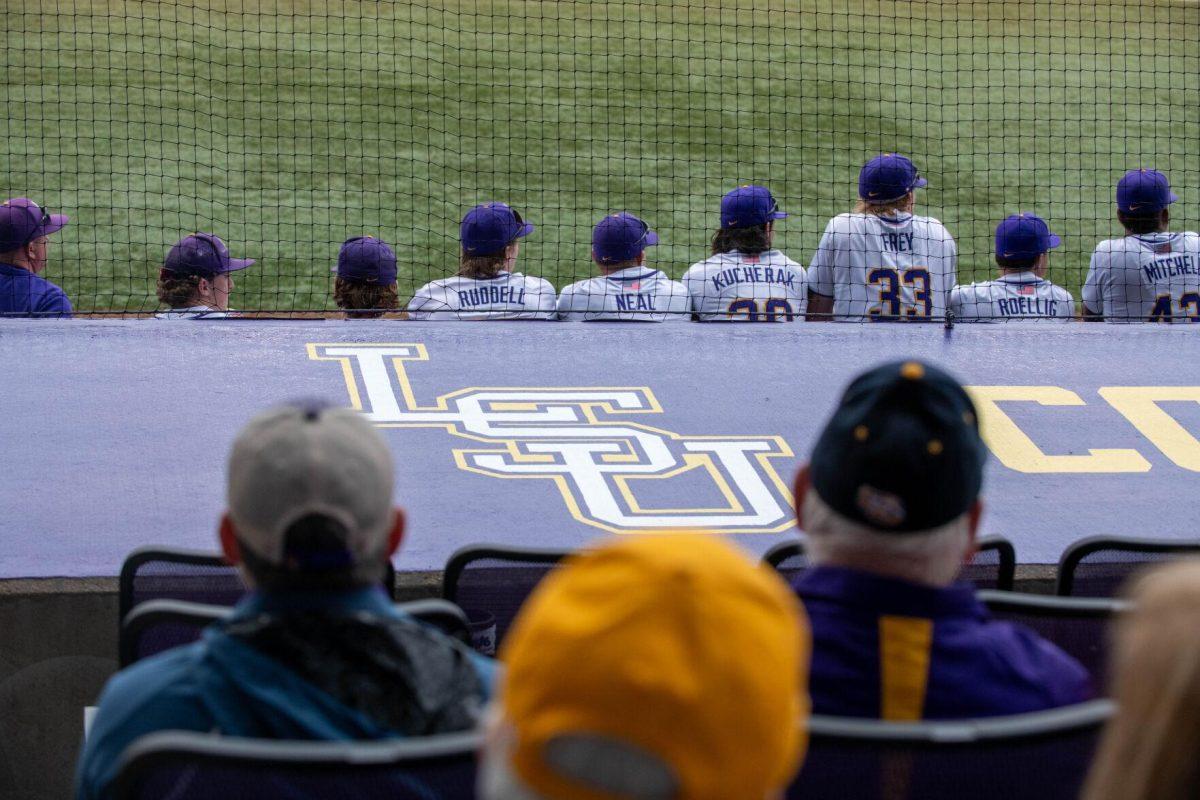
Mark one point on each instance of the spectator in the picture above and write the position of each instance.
(1149, 749)
(486, 286)
(655, 667)
(626, 288)
(316, 651)
(890, 506)
(197, 278)
(365, 286)
(25, 230)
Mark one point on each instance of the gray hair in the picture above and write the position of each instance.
(933, 557)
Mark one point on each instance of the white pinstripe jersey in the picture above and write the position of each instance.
(635, 293)
(884, 268)
(762, 287)
(509, 295)
(1015, 295)
(1152, 277)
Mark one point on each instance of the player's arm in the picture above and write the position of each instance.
(1093, 292)
(566, 302)
(819, 278)
(693, 281)
(547, 302)
(54, 304)
(424, 305)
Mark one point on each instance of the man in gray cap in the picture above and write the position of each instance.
(316, 651)
(25, 228)
(889, 505)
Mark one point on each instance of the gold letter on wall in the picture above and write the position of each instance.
(1017, 451)
(1139, 405)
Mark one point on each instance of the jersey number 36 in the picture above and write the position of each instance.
(889, 280)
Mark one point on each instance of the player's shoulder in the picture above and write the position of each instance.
(532, 281)
(438, 286)
(716, 261)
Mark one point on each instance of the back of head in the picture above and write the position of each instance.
(1149, 748)
(1142, 199)
(620, 239)
(1021, 239)
(747, 212)
(886, 184)
(654, 667)
(366, 272)
(900, 461)
(310, 498)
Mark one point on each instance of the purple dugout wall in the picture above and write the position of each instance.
(114, 433)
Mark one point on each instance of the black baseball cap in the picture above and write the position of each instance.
(902, 452)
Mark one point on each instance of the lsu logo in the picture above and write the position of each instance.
(613, 472)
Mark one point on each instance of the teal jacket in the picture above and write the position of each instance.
(221, 684)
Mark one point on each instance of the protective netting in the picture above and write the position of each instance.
(287, 127)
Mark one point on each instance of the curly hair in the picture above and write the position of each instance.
(176, 290)
(745, 240)
(878, 209)
(482, 267)
(364, 300)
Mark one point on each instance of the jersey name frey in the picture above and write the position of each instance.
(1153, 277)
(509, 295)
(897, 267)
(636, 293)
(760, 287)
(1021, 295)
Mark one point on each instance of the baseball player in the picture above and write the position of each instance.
(881, 262)
(1149, 274)
(486, 286)
(1023, 245)
(746, 279)
(196, 278)
(25, 229)
(626, 289)
(365, 286)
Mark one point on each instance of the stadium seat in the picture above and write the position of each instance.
(993, 567)
(1078, 625)
(158, 625)
(1099, 565)
(156, 573)
(493, 579)
(196, 766)
(1030, 756)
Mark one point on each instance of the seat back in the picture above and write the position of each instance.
(994, 566)
(158, 625)
(496, 580)
(156, 573)
(1029, 756)
(1098, 566)
(194, 766)
(1078, 625)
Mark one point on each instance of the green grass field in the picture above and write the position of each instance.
(286, 127)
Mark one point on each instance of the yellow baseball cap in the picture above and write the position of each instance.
(677, 647)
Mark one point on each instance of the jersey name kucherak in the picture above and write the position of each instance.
(760, 287)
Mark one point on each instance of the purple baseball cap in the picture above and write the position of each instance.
(203, 254)
(490, 227)
(1144, 191)
(366, 259)
(888, 177)
(621, 237)
(22, 221)
(747, 206)
(1024, 236)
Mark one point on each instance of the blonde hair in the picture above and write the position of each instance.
(933, 557)
(904, 203)
(1149, 748)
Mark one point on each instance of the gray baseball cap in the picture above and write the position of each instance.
(308, 458)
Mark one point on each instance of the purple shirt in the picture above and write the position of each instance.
(890, 649)
(24, 294)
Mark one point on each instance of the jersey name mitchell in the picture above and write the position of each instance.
(1153, 277)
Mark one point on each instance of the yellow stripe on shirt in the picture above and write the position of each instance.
(904, 647)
